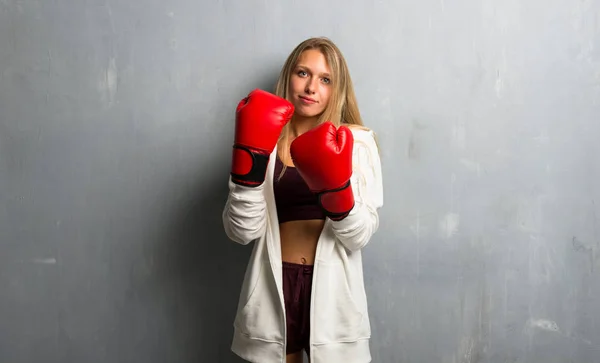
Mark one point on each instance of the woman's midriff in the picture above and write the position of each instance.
(299, 240)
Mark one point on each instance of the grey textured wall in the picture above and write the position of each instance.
(116, 123)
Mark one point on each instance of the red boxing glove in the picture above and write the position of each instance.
(323, 157)
(259, 119)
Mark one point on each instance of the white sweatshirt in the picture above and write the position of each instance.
(339, 322)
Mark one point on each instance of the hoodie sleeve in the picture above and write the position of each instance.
(355, 231)
(245, 213)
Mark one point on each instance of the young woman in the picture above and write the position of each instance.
(305, 186)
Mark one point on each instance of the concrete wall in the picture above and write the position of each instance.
(116, 123)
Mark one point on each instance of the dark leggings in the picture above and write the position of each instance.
(297, 284)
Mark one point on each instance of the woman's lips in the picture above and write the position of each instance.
(307, 100)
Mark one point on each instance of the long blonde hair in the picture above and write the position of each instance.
(342, 107)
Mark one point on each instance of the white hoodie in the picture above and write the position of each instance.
(339, 321)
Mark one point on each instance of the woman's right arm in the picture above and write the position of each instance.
(245, 213)
(260, 118)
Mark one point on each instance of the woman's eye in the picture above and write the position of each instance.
(301, 73)
(326, 80)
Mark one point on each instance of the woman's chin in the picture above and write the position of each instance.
(306, 112)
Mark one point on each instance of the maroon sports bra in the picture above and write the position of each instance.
(293, 199)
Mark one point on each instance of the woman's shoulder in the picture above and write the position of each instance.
(363, 134)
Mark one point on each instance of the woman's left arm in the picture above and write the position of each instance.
(355, 231)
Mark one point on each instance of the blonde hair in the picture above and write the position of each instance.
(342, 107)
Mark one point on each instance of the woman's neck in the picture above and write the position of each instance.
(300, 125)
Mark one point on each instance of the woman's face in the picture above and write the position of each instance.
(310, 84)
